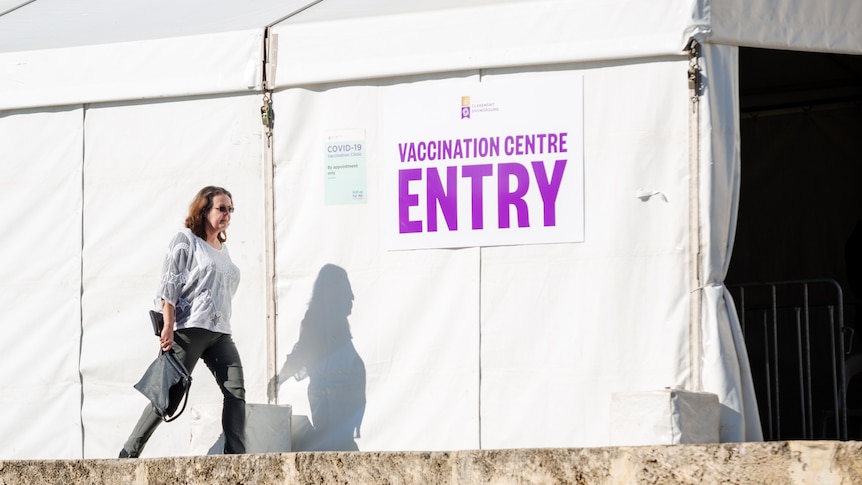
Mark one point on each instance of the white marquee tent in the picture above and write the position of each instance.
(112, 114)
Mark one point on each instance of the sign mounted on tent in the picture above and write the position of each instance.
(491, 163)
(344, 168)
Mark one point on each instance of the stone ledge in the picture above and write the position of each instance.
(785, 462)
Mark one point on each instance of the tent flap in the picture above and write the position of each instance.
(725, 360)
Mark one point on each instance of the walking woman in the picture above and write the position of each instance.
(197, 285)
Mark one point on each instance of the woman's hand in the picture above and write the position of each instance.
(166, 341)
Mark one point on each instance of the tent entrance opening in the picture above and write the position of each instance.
(800, 220)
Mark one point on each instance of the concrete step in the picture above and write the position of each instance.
(784, 462)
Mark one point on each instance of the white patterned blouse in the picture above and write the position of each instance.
(200, 282)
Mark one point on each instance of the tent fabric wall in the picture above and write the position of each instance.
(329, 28)
(413, 317)
(564, 326)
(40, 181)
(177, 147)
(539, 357)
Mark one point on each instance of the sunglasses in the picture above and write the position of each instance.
(224, 209)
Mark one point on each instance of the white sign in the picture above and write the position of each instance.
(344, 168)
(492, 163)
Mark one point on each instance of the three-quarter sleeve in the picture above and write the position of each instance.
(176, 268)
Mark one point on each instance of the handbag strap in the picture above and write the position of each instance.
(177, 415)
(175, 361)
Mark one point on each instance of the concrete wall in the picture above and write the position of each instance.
(794, 462)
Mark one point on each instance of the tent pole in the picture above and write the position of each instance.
(695, 285)
(269, 214)
(266, 117)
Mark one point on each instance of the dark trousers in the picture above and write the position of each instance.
(219, 353)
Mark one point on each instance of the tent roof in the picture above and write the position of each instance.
(55, 52)
(803, 25)
(53, 24)
(337, 40)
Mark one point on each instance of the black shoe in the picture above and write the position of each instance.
(124, 453)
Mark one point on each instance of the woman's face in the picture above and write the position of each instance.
(218, 217)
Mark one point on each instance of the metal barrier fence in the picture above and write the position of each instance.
(794, 334)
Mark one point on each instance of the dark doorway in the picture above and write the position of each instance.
(800, 201)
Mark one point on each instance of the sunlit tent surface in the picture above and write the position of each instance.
(112, 114)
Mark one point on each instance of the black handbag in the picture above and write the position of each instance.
(165, 383)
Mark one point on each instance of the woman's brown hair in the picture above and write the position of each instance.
(202, 203)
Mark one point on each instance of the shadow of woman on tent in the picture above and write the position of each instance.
(325, 354)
